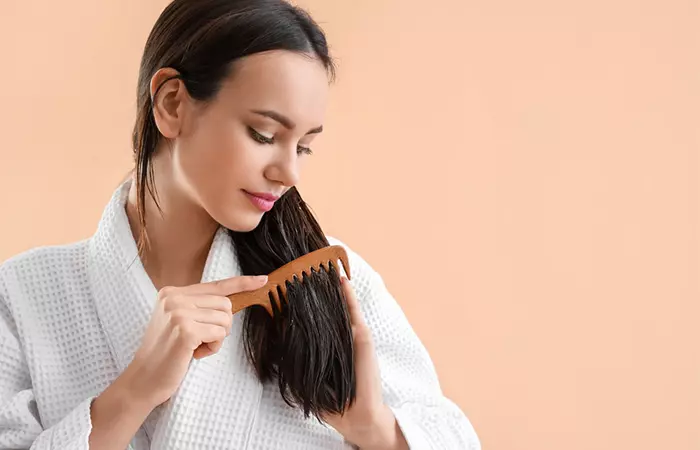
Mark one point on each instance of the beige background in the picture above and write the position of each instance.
(542, 163)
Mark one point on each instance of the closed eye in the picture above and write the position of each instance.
(262, 139)
(259, 138)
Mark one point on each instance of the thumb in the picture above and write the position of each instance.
(203, 351)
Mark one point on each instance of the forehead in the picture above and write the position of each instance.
(290, 83)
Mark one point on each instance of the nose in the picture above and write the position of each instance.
(285, 168)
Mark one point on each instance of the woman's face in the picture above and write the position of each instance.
(252, 138)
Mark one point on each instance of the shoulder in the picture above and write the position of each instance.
(44, 258)
(42, 268)
(359, 267)
(381, 311)
(365, 280)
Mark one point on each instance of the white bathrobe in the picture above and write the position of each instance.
(72, 317)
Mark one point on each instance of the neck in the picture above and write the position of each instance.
(179, 237)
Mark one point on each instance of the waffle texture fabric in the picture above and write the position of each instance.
(72, 317)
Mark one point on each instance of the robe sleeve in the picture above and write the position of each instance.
(428, 420)
(20, 421)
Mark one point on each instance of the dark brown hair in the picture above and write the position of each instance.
(306, 347)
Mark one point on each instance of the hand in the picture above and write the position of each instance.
(368, 423)
(187, 322)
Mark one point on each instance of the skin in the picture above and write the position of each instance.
(207, 157)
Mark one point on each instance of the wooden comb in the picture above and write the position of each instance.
(290, 272)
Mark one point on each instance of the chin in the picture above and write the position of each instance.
(242, 223)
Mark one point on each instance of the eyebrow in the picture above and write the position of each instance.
(284, 121)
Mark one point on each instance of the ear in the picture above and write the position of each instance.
(168, 95)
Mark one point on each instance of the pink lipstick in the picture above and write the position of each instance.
(262, 200)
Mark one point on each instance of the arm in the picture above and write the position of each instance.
(427, 419)
(108, 421)
(20, 424)
(176, 333)
(117, 415)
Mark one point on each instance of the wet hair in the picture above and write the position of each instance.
(306, 347)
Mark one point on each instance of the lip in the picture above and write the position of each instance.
(264, 196)
(264, 202)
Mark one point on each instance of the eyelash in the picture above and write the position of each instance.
(260, 139)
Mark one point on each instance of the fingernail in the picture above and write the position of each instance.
(262, 279)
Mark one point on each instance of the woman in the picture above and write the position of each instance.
(127, 338)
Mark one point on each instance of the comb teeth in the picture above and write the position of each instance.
(278, 301)
(279, 292)
(320, 267)
(273, 296)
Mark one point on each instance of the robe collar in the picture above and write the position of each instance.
(218, 392)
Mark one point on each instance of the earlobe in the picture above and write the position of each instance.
(166, 98)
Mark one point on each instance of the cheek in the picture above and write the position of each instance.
(221, 160)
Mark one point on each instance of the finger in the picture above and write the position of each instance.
(356, 318)
(227, 286)
(368, 383)
(207, 333)
(202, 352)
(207, 349)
(214, 302)
(207, 317)
(215, 346)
